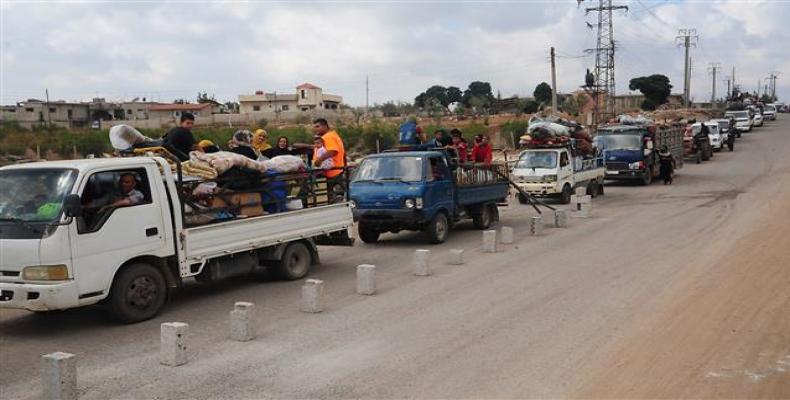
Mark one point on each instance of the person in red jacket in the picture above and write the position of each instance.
(482, 152)
(459, 144)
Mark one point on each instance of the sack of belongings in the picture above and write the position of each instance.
(125, 137)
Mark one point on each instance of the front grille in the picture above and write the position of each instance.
(616, 166)
(6, 295)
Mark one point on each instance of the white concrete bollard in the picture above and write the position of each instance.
(560, 219)
(456, 257)
(313, 296)
(242, 321)
(583, 210)
(172, 345)
(59, 376)
(581, 191)
(536, 225)
(422, 265)
(489, 241)
(586, 199)
(366, 279)
(507, 235)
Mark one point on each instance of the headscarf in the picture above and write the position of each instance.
(259, 140)
(241, 138)
(279, 151)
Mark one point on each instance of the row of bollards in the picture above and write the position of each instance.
(59, 376)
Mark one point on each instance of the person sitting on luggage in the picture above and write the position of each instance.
(241, 143)
(482, 152)
(180, 140)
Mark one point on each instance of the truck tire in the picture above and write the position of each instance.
(438, 228)
(294, 264)
(592, 189)
(565, 196)
(522, 199)
(482, 219)
(648, 178)
(368, 234)
(138, 293)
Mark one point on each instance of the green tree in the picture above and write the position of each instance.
(656, 89)
(454, 95)
(531, 107)
(480, 90)
(203, 97)
(542, 93)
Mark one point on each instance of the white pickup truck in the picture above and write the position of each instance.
(553, 171)
(60, 249)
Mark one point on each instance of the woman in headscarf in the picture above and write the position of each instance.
(259, 142)
(240, 143)
(283, 147)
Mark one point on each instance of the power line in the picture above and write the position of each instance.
(604, 58)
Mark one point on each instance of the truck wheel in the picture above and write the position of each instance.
(648, 179)
(565, 196)
(438, 228)
(522, 199)
(592, 189)
(368, 234)
(482, 219)
(137, 294)
(294, 264)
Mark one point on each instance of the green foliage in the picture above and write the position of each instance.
(531, 107)
(542, 93)
(656, 88)
(648, 105)
(514, 129)
(203, 97)
(444, 95)
(479, 90)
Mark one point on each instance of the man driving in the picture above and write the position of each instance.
(128, 195)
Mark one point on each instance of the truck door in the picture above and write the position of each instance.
(122, 219)
(566, 167)
(439, 187)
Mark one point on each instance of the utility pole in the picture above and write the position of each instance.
(604, 59)
(733, 80)
(553, 84)
(772, 85)
(367, 95)
(714, 66)
(688, 37)
(49, 117)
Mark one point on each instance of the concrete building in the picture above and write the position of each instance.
(174, 111)
(308, 97)
(37, 112)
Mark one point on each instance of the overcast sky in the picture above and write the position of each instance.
(164, 51)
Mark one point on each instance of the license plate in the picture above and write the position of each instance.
(613, 172)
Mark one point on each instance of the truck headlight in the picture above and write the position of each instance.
(408, 203)
(352, 204)
(549, 178)
(418, 203)
(45, 273)
(636, 165)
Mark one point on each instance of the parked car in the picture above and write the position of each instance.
(714, 135)
(743, 120)
(758, 118)
(727, 137)
(769, 112)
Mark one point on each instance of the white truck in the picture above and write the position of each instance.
(59, 251)
(555, 171)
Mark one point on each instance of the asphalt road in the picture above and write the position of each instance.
(667, 291)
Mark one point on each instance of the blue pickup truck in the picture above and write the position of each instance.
(423, 191)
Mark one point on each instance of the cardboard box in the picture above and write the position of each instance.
(248, 204)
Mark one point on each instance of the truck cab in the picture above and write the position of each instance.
(554, 171)
(421, 191)
(743, 120)
(628, 152)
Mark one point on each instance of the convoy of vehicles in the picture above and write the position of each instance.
(62, 245)
(423, 191)
(769, 112)
(630, 152)
(61, 248)
(556, 171)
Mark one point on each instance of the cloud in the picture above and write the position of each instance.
(169, 50)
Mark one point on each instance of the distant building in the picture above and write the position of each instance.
(37, 112)
(307, 97)
(175, 111)
(628, 102)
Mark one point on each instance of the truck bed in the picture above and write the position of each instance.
(209, 241)
(475, 194)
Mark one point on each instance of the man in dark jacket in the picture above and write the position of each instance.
(179, 140)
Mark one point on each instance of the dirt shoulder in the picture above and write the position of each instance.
(722, 330)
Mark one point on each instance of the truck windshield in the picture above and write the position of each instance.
(396, 168)
(35, 194)
(738, 114)
(618, 142)
(537, 159)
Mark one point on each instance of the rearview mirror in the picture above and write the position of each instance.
(72, 206)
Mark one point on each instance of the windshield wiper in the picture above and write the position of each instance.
(21, 223)
(392, 179)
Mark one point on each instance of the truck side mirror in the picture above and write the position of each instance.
(72, 206)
